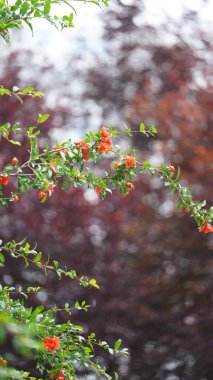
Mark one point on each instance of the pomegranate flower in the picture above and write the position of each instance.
(4, 179)
(206, 228)
(14, 161)
(98, 190)
(51, 344)
(130, 161)
(85, 149)
(171, 169)
(42, 195)
(104, 133)
(105, 144)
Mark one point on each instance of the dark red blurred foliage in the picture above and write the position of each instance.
(154, 268)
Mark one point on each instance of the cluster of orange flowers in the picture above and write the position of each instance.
(49, 191)
(85, 149)
(206, 228)
(60, 376)
(105, 144)
(129, 162)
(51, 344)
(4, 179)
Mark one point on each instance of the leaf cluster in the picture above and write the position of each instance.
(28, 327)
(19, 13)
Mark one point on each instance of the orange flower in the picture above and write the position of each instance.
(99, 189)
(42, 195)
(105, 145)
(60, 377)
(206, 228)
(130, 161)
(108, 142)
(4, 179)
(171, 169)
(81, 145)
(16, 198)
(85, 153)
(14, 161)
(57, 377)
(85, 149)
(51, 343)
(105, 133)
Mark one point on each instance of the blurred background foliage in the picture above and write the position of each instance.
(155, 269)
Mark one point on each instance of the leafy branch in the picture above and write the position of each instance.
(70, 162)
(22, 250)
(35, 331)
(23, 12)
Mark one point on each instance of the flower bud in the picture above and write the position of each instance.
(14, 161)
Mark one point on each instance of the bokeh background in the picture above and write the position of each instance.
(138, 61)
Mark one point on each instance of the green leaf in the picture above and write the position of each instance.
(117, 344)
(29, 25)
(15, 142)
(47, 6)
(56, 264)
(66, 185)
(93, 283)
(178, 174)
(16, 127)
(28, 90)
(38, 257)
(152, 130)
(42, 118)
(128, 132)
(142, 128)
(37, 311)
(24, 8)
(71, 20)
